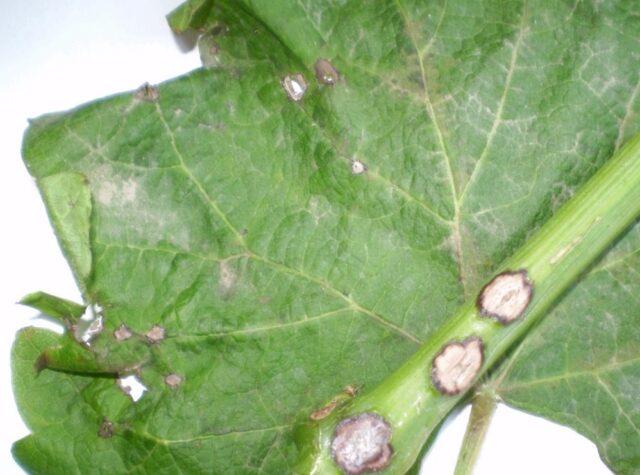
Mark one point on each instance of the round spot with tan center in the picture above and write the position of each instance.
(506, 297)
(155, 335)
(361, 444)
(455, 368)
(358, 168)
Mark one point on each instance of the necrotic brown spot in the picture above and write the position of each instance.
(324, 411)
(122, 333)
(326, 73)
(173, 380)
(361, 444)
(456, 366)
(156, 334)
(147, 93)
(506, 297)
(106, 429)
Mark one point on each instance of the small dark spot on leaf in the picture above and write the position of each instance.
(219, 29)
(147, 93)
(106, 429)
(326, 73)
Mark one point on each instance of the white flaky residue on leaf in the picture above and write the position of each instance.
(89, 325)
(295, 86)
(132, 386)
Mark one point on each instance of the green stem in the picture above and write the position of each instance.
(554, 258)
(483, 406)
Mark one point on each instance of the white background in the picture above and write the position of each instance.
(57, 54)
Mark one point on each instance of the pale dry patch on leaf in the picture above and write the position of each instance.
(227, 279)
(111, 189)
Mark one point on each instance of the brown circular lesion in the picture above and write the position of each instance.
(326, 73)
(455, 367)
(361, 444)
(506, 297)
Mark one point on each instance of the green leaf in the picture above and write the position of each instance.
(103, 358)
(68, 201)
(231, 216)
(64, 411)
(65, 311)
(189, 15)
